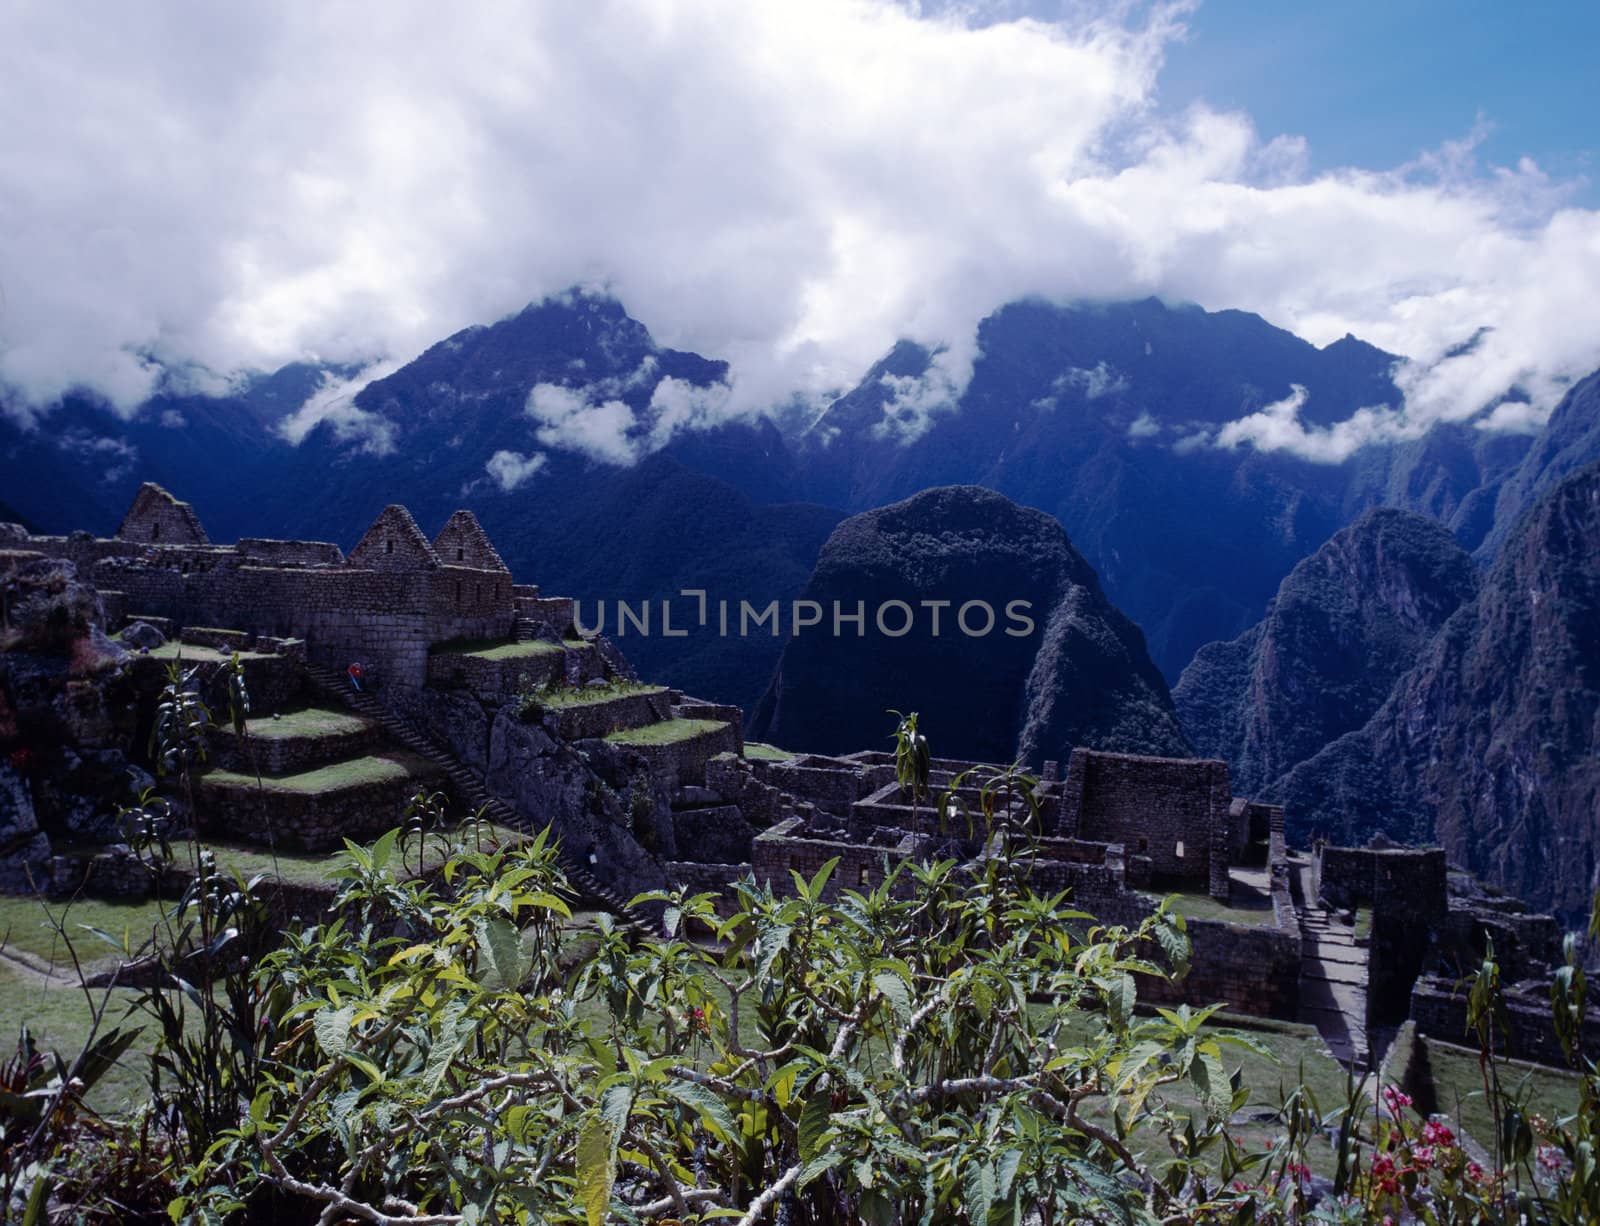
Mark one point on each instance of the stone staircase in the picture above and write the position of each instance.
(1333, 978)
(469, 788)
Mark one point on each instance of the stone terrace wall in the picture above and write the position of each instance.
(684, 762)
(1153, 806)
(305, 821)
(1439, 1009)
(494, 679)
(695, 878)
(1250, 969)
(787, 846)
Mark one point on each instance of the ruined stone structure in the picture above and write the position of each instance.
(484, 687)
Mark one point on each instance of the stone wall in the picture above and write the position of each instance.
(268, 552)
(156, 517)
(306, 821)
(1173, 810)
(583, 720)
(289, 755)
(695, 878)
(1248, 969)
(1406, 889)
(1439, 1009)
(694, 708)
(385, 619)
(789, 845)
(684, 761)
(494, 679)
(828, 783)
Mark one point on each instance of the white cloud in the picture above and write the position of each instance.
(1103, 380)
(333, 403)
(511, 468)
(915, 401)
(791, 187)
(1277, 427)
(1144, 426)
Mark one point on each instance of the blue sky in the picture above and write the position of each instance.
(1373, 84)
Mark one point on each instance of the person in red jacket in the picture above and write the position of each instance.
(355, 676)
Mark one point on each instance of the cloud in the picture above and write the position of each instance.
(1277, 427)
(1103, 380)
(332, 404)
(792, 188)
(1144, 426)
(511, 468)
(915, 401)
(592, 420)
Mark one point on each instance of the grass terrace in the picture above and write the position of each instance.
(1457, 1084)
(27, 925)
(1243, 909)
(766, 753)
(667, 732)
(190, 653)
(499, 649)
(585, 696)
(306, 722)
(354, 772)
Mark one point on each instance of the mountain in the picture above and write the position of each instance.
(1100, 415)
(1051, 666)
(1569, 440)
(604, 465)
(1345, 624)
(80, 465)
(1491, 742)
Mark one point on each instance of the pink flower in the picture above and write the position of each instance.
(1550, 1157)
(1423, 1155)
(1474, 1172)
(1436, 1133)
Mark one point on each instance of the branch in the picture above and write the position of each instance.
(761, 1203)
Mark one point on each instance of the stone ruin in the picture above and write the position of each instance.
(484, 688)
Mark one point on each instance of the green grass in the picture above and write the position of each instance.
(336, 776)
(307, 722)
(498, 649)
(1458, 1087)
(1204, 907)
(25, 925)
(294, 867)
(765, 753)
(1363, 925)
(584, 696)
(667, 732)
(59, 1018)
(192, 654)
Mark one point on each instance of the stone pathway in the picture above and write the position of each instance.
(1333, 978)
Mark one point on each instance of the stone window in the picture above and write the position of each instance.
(1178, 849)
(458, 592)
(1144, 846)
(155, 532)
(388, 545)
(865, 876)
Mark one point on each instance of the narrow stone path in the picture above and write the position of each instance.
(1333, 978)
(469, 787)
